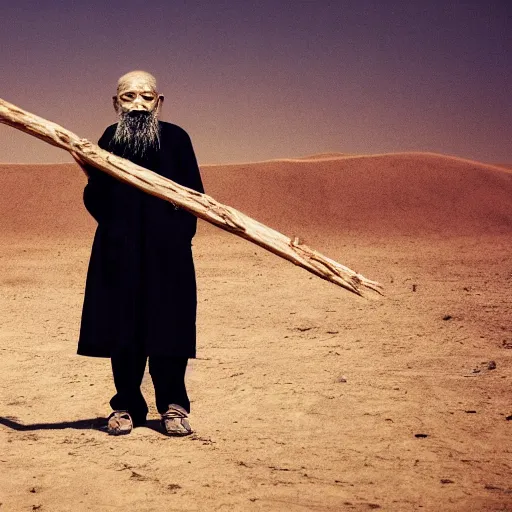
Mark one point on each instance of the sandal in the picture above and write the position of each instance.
(119, 423)
(175, 421)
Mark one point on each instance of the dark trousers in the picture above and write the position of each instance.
(167, 373)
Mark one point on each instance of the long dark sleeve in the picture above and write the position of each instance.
(190, 177)
(96, 192)
(190, 170)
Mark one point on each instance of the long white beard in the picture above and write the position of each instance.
(137, 134)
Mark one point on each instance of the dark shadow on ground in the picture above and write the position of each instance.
(87, 424)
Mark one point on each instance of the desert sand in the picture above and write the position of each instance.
(304, 397)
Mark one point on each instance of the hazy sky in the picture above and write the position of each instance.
(255, 80)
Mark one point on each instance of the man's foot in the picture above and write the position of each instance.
(119, 423)
(175, 421)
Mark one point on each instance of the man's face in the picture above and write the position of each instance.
(136, 93)
(137, 104)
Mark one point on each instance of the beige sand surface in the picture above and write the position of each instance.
(305, 397)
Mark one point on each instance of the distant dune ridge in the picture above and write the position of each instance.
(331, 193)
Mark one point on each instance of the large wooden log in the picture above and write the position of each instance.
(201, 205)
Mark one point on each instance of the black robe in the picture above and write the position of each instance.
(141, 289)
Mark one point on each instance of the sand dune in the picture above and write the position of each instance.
(400, 194)
(323, 156)
(393, 194)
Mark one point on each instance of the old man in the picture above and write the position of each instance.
(140, 297)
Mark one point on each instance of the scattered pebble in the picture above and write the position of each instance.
(447, 481)
(341, 378)
(485, 365)
(447, 317)
(420, 436)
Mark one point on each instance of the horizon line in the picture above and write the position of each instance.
(323, 156)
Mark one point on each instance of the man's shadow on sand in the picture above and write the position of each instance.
(99, 424)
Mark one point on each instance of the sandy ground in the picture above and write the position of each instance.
(305, 397)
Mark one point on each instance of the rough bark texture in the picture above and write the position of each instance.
(201, 205)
